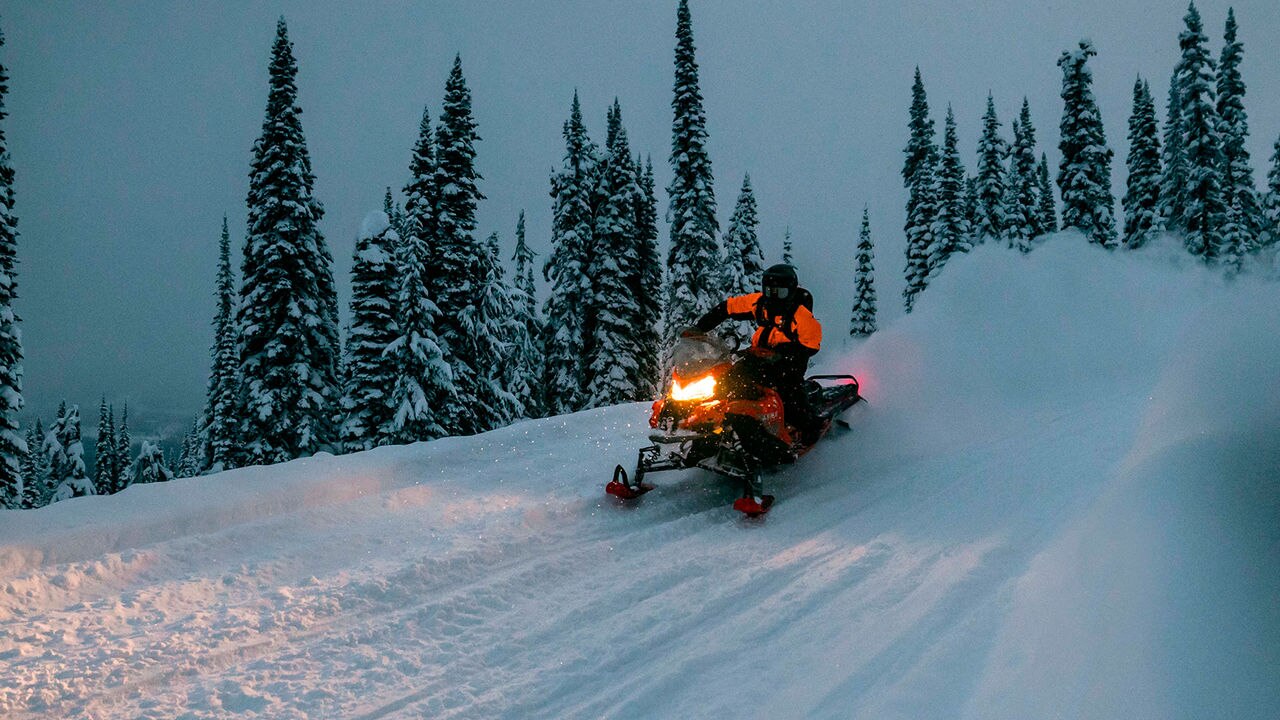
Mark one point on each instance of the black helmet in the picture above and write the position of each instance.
(780, 282)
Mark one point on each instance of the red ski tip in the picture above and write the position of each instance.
(753, 506)
(626, 492)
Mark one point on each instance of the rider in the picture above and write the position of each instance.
(787, 335)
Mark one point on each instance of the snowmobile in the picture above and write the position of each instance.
(716, 420)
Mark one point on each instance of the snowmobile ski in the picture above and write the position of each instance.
(753, 506)
(622, 487)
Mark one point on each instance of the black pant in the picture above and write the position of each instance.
(784, 374)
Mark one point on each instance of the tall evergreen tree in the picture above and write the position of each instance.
(459, 256)
(648, 287)
(104, 455)
(288, 315)
(787, 258)
(492, 326)
(1022, 202)
(395, 213)
(13, 446)
(1203, 195)
(1044, 191)
(124, 451)
(1271, 211)
(863, 321)
(1142, 190)
(66, 456)
(1173, 177)
(565, 340)
(526, 357)
(366, 399)
(221, 423)
(951, 231)
(189, 460)
(421, 199)
(743, 258)
(1085, 174)
(35, 470)
(692, 261)
(1236, 239)
(992, 151)
(150, 467)
(919, 177)
(613, 374)
(423, 390)
(1238, 168)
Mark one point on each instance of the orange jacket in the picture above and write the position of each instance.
(774, 330)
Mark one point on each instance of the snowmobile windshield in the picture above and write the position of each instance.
(693, 356)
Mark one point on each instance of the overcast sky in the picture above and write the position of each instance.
(131, 127)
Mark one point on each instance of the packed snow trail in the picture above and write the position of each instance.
(1062, 502)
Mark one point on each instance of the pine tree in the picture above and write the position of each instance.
(566, 310)
(1022, 202)
(971, 202)
(366, 398)
(13, 446)
(1236, 238)
(951, 227)
(36, 488)
(1238, 168)
(457, 254)
(1271, 210)
(526, 363)
(918, 176)
(787, 258)
(693, 277)
(66, 456)
(1204, 209)
(1173, 178)
(613, 375)
(104, 456)
(863, 321)
(743, 258)
(221, 424)
(1044, 191)
(124, 451)
(1142, 191)
(423, 387)
(992, 151)
(494, 329)
(648, 284)
(288, 314)
(185, 464)
(1085, 174)
(395, 213)
(150, 466)
(421, 199)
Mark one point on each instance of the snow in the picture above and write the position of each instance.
(1061, 502)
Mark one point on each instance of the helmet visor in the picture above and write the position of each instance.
(774, 292)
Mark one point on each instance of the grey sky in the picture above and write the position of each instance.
(131, 126)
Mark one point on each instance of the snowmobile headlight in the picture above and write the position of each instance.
(703, 388)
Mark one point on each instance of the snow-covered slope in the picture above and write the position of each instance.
(1062, 502)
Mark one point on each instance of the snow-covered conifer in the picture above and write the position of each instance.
(104, 454)
(366, 398)
(1084, 177)
(613, 375)
(423, 389)
(693, 260)
(1271, 210)
(13, 446)
(1203, 195)
(493, 329)
(526, 360)
(1236, 239)
(919, 177)
(421, 198)
(124, 451)
(1044, 191)
(1142, 190)
(35, 470)
(743, 258)
(66, 456)
(219, 435)
(863, 320)
(648, 287)
(1238, 169)
(458, 254)
(569, 299)
(787, 258)
(1022, 202)
(288, 311)
(992, 151)
(1173, 171)
(150, 466)
(951, 231)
